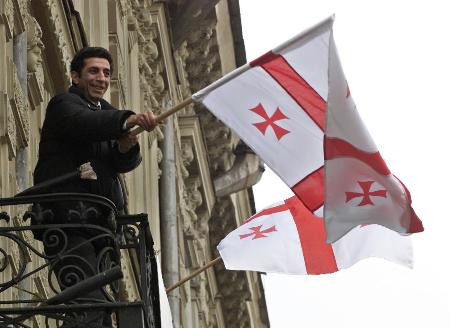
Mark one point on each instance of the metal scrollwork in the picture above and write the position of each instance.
(79, 246)
(5, 216)
(3, 260)
(108, 258)
(7, 263)
(54, 239)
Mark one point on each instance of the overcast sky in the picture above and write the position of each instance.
(395, 55)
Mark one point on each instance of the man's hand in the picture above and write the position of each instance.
(145, 120)
(127, 142)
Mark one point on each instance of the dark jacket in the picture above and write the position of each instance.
(75, 132)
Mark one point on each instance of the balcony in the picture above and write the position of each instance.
(76, 291)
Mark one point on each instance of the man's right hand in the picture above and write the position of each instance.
(145, 120)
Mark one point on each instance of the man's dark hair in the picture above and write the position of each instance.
(77, 63)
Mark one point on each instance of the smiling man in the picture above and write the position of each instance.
(79, 127)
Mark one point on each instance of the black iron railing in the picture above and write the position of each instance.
(78, 254)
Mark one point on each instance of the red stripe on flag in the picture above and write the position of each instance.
(311, 189)
(335, 148)
(267, 57)
(268, 211)
(289, 79)
(318, 255)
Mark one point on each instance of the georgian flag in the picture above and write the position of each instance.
(288, 238)
(293, 107)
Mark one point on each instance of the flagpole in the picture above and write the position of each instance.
(166, 114)
(193, 274)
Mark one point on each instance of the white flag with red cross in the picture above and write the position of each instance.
(288, 238)
(293, 107)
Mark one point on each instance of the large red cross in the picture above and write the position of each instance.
(366, 193)
(270, 121)
(258, 233)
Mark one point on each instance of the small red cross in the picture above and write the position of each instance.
(366, 193)
(257, 233)
(262, 126)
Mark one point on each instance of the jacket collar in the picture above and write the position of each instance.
(103, 104)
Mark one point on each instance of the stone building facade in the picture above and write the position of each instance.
(196, 176)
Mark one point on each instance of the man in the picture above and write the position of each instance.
(79, 127)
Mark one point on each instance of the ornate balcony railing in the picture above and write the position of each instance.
(78, 262)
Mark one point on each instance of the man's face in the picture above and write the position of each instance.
(94, 78)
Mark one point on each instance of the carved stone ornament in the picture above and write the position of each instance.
(118, 78)
(187, 156)
(124, 7)
(20, 18)
(159, 157)
(7, 17)
(57, 27)
(34, 62)
(11, 132)
(188, 217)
(34, 45)
(150, 65)
(42, 288)
(35, 89)
(4, 103)
(195, 198)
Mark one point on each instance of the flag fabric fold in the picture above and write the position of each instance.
(294, 108)
(288, 238)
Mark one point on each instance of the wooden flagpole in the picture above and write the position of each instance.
(193, 274)
(166, 114)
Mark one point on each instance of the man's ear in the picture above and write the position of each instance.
(75, 77)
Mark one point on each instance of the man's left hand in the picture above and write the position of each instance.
(127, 142)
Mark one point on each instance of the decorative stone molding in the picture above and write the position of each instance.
(187, 156)
(124, 7)
(201, 296)
(7, 17)
(159, 157)
(34, 62)
(20, 11)
(220, 140)
(34, 45)
(194, 195)
(58, 28)
(35, 90)
(140, 22)
(198, 64)
(4, 109)
(246, 172)
(196, 161)
(41, 286)
(19, 106)
(180, 57)
(118, 78)
(189, 218)
(11, 136)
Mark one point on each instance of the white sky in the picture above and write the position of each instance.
(395, 56)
